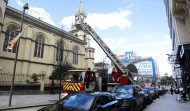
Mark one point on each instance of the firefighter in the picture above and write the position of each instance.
(123, 79)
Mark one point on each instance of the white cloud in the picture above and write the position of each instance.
(20, 3)
(161, 43)
(167, 36)
(41, 14)
(111, 43)
(135, 45)
(103, 21)
(148, 36)
(67, 21)
(131, 5)
(120, 41)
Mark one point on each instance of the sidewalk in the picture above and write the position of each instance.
(19, 101)
(168, 103)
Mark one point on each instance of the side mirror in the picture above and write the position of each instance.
(99, 108)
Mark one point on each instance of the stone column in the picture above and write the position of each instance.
(42, 79)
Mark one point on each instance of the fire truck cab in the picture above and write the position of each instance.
(148, 85)
(79, 80)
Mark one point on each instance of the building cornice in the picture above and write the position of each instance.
(89, 49)
(76, 30)
(14, 13)
(180, 8)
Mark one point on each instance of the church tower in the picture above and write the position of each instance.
(80, 14)
(83, 35)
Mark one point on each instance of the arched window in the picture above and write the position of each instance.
(84, 37)
(39, 46)
(89, 53)
(75, 55)
(11, 33)
(59, 53)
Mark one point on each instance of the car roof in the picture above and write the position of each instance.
(129, 85)
(92, 93)
(149, 87)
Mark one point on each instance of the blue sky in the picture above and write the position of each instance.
(125, 25)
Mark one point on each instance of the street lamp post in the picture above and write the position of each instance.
(25, 7)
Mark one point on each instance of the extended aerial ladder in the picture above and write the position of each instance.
(118, 65)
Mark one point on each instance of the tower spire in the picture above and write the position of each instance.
(80, 13)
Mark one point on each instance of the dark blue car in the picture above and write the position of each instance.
(131, 97)
(82, 101)
(148, 96)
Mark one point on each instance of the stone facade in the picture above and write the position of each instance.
(36, 55)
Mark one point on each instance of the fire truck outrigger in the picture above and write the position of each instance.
(85, 80)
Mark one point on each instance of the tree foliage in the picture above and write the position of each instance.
(34, 77)
(167, 80)
(60, 70)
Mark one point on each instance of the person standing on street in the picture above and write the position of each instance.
(171, 90)
(181, 90)
(177, 94)
(52, 87)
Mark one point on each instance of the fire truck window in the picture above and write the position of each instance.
(76, 77)
(71, 77)
(91, 77)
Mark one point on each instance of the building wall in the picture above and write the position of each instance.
(178, 13)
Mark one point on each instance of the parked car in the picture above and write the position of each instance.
(152, 91)
(157, 92)
(83, 101)
(131, 97)
(148, 96)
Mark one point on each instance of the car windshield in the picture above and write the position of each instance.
(125, 89)
(77, 101)
(75, 77)
(150, 88)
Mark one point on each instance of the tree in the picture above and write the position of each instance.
(34, 77)
(166, 74)
(60, 70)
(167, 80)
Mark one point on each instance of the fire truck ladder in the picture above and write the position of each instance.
(105, 48)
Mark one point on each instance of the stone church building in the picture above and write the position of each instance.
(42, 43)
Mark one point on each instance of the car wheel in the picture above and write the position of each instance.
(122, 109)
(149, 102)
(134, 107)
(144, 104)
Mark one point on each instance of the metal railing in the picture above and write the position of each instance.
(6, 79)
